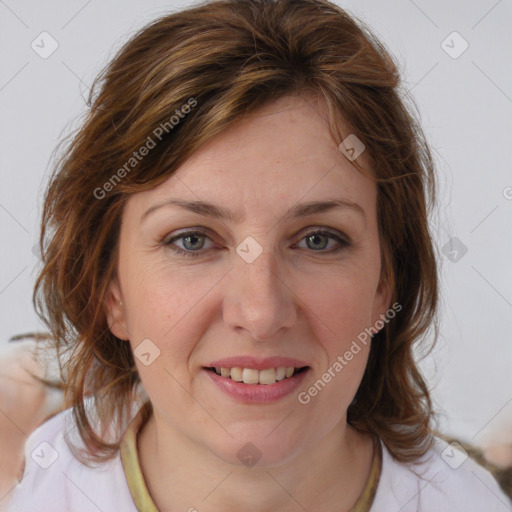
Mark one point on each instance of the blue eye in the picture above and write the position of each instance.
(326, 236)
(189, 238)
(320, 238)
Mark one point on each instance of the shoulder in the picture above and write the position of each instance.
(445, 479)
(55, 480)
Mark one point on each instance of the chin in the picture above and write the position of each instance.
(258, 451)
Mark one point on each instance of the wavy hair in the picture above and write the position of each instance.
(232, 57)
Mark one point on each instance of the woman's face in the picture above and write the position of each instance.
(252, 290)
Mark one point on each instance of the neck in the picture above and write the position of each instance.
(181, 475)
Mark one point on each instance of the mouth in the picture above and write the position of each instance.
(265, 376)
(256, 380)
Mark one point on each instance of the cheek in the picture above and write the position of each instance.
(345, 348)
(169, 307)
(330, 391)
(343, 307)
(342, 311)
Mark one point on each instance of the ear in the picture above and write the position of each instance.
(381, 304)
(115, 311)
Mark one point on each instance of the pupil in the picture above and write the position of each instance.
(191, 237)
(316, 237)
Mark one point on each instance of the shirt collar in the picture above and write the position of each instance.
(142, 498)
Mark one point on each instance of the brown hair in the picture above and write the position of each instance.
(232, 57)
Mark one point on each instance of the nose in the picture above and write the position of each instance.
(259, 299)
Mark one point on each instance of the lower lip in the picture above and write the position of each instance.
(257, 393)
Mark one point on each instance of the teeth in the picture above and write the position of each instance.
(280, 373)
(252, 376)
(236, 374)
(267, 376)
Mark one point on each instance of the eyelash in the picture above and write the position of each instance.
(194, 254)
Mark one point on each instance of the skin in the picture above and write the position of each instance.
(297, 299)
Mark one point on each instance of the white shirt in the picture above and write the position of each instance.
(55, 481)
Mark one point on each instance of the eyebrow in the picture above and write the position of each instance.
(221, 213)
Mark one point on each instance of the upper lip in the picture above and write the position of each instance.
(256, 363)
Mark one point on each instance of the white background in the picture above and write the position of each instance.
(465, 106)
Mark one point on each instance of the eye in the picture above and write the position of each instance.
(319, 240)
(191, 241)
(194, 241)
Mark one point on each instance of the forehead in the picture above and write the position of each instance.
(282, 154)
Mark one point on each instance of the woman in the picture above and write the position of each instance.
(237, 266)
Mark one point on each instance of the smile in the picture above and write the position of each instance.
(257, 386)
(252, 376)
